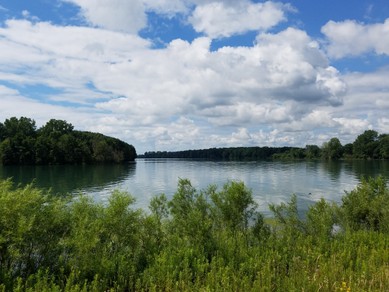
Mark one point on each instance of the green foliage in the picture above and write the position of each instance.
(312, 152)
(209, 240)
(54, 129)
(57, 143)
(383, 147)
(367, 206)
(31, 226)
(348, 150)
(17, 142)
(366, 144)
(322, 222)
(332, 149)
(234, 205)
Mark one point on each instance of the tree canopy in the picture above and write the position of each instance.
(57, 143)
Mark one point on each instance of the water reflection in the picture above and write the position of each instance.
(63, 179)
(270, 182)
(363, 168)
(333, 168)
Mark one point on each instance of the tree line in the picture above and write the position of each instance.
(368, 145)
(22, 143)
(231, 153)
(209, 240)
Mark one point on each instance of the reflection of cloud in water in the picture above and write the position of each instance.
(270, 181)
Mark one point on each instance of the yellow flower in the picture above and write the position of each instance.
(344, 287)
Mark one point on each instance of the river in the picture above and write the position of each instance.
(270, 181)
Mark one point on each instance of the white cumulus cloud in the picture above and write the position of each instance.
(351, 38)
(181, 94)
(118, 15)
(223, 19)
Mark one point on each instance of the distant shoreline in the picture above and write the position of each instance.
(370, 145)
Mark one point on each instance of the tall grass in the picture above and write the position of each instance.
(208, 240)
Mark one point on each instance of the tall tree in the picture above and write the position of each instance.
(366, 145)
(383, 141)
(18, 141)
(2, 132)
(332, 149)
(312, 151)
(19, 127)
(56, 128)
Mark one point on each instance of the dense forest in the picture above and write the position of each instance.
(57, 142)
(208, 240)
(368, 145)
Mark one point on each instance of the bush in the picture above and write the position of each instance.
(209, 240)
(367, 206)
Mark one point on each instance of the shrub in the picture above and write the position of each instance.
(209, 240)
(367, 206)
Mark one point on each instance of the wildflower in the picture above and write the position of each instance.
(345, 287)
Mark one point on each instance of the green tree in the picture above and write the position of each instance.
(348, 150)
(312, 152)
(56, 128)
(2, 132)
(366, 144)
(17, 146)
(7, 153)
(42, 150)
(383, 141)
(332, 149)
(19, 127)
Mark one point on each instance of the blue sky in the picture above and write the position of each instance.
(191, 74)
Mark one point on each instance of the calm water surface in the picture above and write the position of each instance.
(271, 182)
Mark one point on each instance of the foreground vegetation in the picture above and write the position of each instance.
(368, 145)
(57, 142)
(209, 240)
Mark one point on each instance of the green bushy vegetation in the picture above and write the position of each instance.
(208, 240)
(57, 142)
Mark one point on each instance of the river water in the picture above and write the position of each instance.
(270, 181)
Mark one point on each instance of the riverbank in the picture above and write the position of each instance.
(199, 240)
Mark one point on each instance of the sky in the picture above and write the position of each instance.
(168, 75)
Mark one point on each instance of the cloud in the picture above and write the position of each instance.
(215, 19)
(27, 15)
(297, 69)
(182, 94)
(368, 92)
(383, 125)
(223, 19)
(352, 127)
(13, 103)
(117, 15)
(365, 105)
(61, 57)
(167, 7)
(190, 79)
(350, 38)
